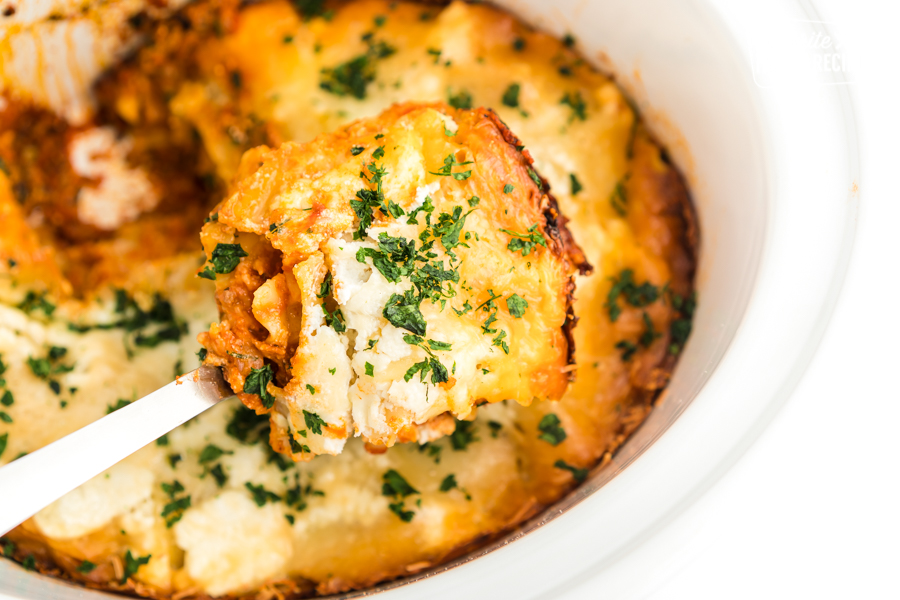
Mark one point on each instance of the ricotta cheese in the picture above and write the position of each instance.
(231, 544)
(123, 192)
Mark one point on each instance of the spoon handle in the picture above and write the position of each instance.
(30, 483)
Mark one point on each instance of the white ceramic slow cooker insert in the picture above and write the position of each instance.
(771, 168)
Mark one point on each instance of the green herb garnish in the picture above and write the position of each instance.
(257, 382)
(551, 429)
(578, 474)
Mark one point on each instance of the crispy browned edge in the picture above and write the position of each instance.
(678, 206)
(555, 227)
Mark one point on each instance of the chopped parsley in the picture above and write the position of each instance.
(551, 429)
(85, 567)
(314, 422)
(680, 328)
(150, 327)
(174, 510)
(351, 78)
(576, 102)
(261, 495)
(34, 301)
(518, 44)
(431, 365)
(335, 319)
(309, 8)
(5, 417)
(132, 564)
(248, 427)
(257, 382)
(219, 474)
(29, 563)
(448, 483)
(461, 100)
(447, 170)
(9, 547)
(357, 150)
(473, 201)
(395, 486)
(463, 435)
(525, 242)
(578, 474)
(210, 453)
(516, 305)
(295, 497)
(649, 333)
(120, 403)
(510, 97)
(403, 311)
(508, 188)
(619, 198)
(433, 450)
(296, 447)
(7, 399)
(568, 40)
(628, 349)
(370, 369)
(225, 257)
(574, 185)
(495, 428)
(635, 295)
(500, 341)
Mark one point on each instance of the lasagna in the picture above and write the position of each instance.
(381, 280)
(102, 196)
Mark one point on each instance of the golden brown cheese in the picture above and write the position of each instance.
(222, 71)
(404, 269)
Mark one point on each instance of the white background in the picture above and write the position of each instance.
(813, 509)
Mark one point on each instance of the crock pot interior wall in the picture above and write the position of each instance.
(674, 58)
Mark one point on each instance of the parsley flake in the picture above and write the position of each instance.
(574, 184)
(461, 100)
(510, 97)
(85, 567)
(448, 483)
(551, 430)
(225, 257)
(314, 422)
(525, 242)
(578, 475)
(257, 382)
(635, 295)
(261, 495)
(576, 102)
(132, 564)
(516, 305)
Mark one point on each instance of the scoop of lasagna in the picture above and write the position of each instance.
(384, 280)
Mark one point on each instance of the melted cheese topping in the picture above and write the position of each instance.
(340, 527)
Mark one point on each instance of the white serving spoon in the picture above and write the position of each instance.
(30, 483)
